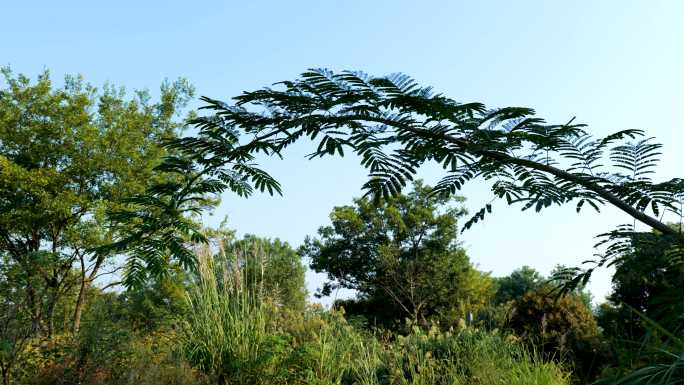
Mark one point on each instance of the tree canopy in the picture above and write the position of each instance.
(519, 282)
(646, 280)
(401, 254)
(67, 155)
(87, 175)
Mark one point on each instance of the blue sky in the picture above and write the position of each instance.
(612, 64)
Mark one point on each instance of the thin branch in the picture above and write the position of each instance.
(111, 284)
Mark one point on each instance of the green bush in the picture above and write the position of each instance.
(563, 329)
(107, 351)
(144, 360)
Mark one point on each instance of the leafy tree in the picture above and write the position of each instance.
(401, 251)
(649, 281)
(67, 155)
(519, 282)
(156, 226)
(157, 304)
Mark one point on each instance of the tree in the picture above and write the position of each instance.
(649, 280)
(519, 282)
(402, 252)
(67, 155)
(157, 304)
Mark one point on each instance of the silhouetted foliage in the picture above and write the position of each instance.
(645, 305)
(394, 126)
(84, 177)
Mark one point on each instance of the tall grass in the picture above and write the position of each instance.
(235, 333)
(227, 327)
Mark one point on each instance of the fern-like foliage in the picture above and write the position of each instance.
(395, 125)
(158, 228)
(668, 368)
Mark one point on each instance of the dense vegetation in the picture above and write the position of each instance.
(108, 276)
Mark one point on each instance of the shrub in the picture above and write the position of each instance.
(146, 360)
(563, 329)
(107, 352)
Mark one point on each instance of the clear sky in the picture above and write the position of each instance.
(612, 64)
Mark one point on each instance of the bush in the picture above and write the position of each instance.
(563, 329)
(107, 352)
(145, 360)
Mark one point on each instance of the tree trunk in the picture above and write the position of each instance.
(34, 308)
(80, 303)
(6, 378)
(50, 317)
(53, 298)
(86, 280)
